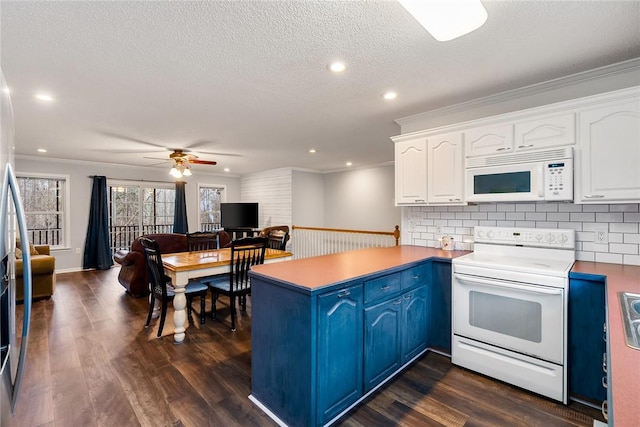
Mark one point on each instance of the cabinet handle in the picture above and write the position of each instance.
(416, 277)
(419, 200)
(343, 294)
(503, 149)
(385, 288)
(454, 200)
(604, 362)
(398, 302)
(604, 382)
(525, 146)
(406, 297)
(594, 196)
(605, 410)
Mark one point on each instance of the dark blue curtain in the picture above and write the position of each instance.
(97, 248)
(180, 210)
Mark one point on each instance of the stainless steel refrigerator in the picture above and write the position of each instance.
(13, 335)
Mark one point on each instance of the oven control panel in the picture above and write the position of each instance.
(538, 237)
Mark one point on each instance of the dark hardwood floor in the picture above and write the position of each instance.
(92, 363)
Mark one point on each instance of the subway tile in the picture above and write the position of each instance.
(420, 242)
(440, 208)
(525, 207)
(455, 208)
(454, 223)
(616, 238)
(433, 215)
(632, 238)
(585, 256)
(546, 207)
(633, 207)
(525, 224)
(506, 207)
(447, 215)
(427, 208)
(496, 215)
(610, 258)
(448, 230)
(623, 248)
(464, 230)
(463, 215)
(598, 247)
(586, 236)
(558, 216)
(595, 208)
(578, 245)
(488, 208)
(583, 217)
(515, 216)
(506, 223)
(535, 216)
(479, 215)
(631, 217)
(469, 223)
(571, 225)
(546, 224)
(418, 228)
(440, 222)
(609, 217)
(626, 227)
(590, 226)
(569, 207)
(487, 223)
(631, 259)
(471, 208)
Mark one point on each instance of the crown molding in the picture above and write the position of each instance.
(612, 70)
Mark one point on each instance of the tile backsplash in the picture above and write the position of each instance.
(425, 224)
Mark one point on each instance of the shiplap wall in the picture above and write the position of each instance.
(425, 224)
(273, 191)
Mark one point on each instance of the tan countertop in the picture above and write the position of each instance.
(318, 272)
(625, 361)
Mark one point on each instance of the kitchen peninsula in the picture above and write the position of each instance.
(327, 331)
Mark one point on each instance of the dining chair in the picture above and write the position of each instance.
(162, 289)
(203, 240)
(277, 235)
(245, 253)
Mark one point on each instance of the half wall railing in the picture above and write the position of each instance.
(313, 241)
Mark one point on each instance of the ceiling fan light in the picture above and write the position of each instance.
(175, 172)
(187, 171)
(446, 19)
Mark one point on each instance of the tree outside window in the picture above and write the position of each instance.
(210, 199)
(45, 204)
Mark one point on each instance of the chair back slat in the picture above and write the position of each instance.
(245, 253)
(155, 268)
(203, 240)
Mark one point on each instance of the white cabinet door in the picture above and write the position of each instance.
(609, 153)
(411, 171)
(549, 131)
(488, 140)
(444, 169)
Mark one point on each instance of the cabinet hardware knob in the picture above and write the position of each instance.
(525, 146)
(346, 293)
(398, 302)
(594, 196)
(385, 288)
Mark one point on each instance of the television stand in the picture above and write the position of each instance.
(239, 233)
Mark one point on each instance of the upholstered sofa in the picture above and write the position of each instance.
(133, 270)
(43, 267)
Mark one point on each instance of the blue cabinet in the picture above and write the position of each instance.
(586, 344)
(339, 359)
(440, 315)
(414, 324)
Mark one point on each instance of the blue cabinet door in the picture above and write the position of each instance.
(414, 324)
(586, 338)
(440, 315)
(382, 341)
(339, 341)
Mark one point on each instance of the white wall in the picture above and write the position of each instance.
(273, 191)
(80, 193)
(361, 199)
(308, 199)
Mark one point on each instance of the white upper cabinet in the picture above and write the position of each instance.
(547, 131)
(444, 169)
(411, 171)
(609, 152)
(488, 140)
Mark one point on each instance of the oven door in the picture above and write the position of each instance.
(528, 319)
(518, 182)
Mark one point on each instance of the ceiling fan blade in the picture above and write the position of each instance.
(156, 158)
(156, 164)
(202, 162)
(126, 138)
(211, 153)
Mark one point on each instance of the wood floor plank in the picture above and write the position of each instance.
(92, 363)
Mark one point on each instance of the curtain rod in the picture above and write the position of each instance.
(136, 180)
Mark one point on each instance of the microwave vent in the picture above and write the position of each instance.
(526, 157)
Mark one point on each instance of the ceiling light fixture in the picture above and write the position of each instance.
(445, 19)
(389, 95)
(42, 150)
(337, 67)
(227, 169)
(43, 97)
(180, 168)
(349, 163)
(312, 150)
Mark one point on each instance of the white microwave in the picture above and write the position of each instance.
(545, 175)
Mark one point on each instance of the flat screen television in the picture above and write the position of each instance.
(238, 215)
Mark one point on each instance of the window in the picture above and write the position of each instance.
(210, 199)
(137, 209)
(45, 201)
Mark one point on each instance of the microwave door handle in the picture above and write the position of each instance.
(502, 284)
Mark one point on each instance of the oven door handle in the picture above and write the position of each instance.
(497, 283)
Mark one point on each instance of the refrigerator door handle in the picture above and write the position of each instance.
(10, 185)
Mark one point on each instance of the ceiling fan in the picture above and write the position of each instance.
(182, 161)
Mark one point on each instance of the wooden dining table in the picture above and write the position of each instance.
(183, 266)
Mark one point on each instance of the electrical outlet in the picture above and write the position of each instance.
(601, 234)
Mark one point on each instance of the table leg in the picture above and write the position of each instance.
(179, 313)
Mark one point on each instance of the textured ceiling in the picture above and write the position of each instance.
(132, 79)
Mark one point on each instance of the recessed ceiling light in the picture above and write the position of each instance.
(312, 150)
(227, 169)
(42, 150)
(389, 95)
(337, 66)
(349, 163)
(43, 97)
(6, 89)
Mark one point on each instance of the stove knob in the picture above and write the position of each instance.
(538, 237)
(550, 238)
(480, 233)
(490, 235)
(563, 238)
